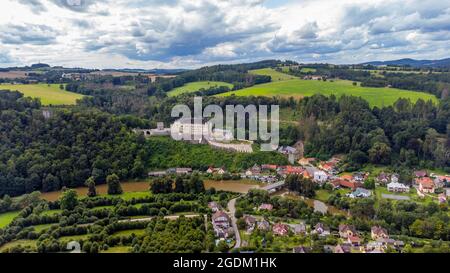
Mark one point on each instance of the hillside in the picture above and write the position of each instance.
(196, 86)
(302, 88)
(50, 94)
(412, 62)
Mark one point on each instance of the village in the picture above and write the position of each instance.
(424, 187)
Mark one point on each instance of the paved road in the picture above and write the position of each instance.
(232, 210)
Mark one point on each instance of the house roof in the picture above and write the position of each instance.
(250, 219)
(426, 182)
(220, 214)
(354, 239)
(345, 228)
(420, 173)
(378, 230)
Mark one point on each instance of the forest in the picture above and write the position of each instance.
(405, 134)
(46, 153)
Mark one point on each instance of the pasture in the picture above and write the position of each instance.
(303, 88)
(49, 94)
(275, 75)
(196, 86)
(7, 217)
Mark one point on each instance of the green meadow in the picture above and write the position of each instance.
(196, 86)
(50, 94)
(7, 217)
(303, 88)
(275, 75)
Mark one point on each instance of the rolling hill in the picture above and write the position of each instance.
(301, 88)
(414, 63)
(50, 94)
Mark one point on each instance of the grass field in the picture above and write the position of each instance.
(128, 232)
(303, 88)
(117, 249)
(22, 243)
(275, 75)
(49, 94)
(7, 218)
(195, 86)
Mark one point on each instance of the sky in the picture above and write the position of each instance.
(194, 33)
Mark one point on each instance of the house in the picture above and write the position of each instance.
(221, 223)
(157, 173)
(321, 230)
(212, 170)
(250, 222)
(420, 174)
(214, 206)
(280, 229)
(320, 177)
(360, 193)
(354, 240)
(306, 161)
(387, 242)
(255, 170)
(359, 177)
(441, 181)
(301, 249)
(263, 225)
(347, 230)
(346, 183)
(329, 167)
(378, 232)
(267, 167)
(183, 170)
(426, 185)
(375, 246)
(268, 207)
(291, 152)
(382, 178)
(300, 228)
(220, 218)
(343, 248)
(397, 187)
(395, 178)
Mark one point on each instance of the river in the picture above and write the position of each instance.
(239, 186)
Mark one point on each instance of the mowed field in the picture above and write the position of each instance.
(303, 88)
(49, 94)
(195, 86)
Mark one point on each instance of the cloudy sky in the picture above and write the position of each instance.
(192, 33)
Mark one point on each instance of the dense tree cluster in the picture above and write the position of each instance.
(39, 153)
(189, 184)
(302, 185)
(405, 134)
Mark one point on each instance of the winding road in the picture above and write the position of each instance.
(232, 210)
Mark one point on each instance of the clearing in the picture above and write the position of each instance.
(50, 94)
(7, 217)
(275, 75)
(196, 86)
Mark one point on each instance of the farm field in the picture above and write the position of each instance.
(195, 86)
(275, 75)
(49, 94)
(304, 88)
(7, 217)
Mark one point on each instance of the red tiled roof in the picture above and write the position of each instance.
(426, 182)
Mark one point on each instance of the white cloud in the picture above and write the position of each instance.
(189, 33)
